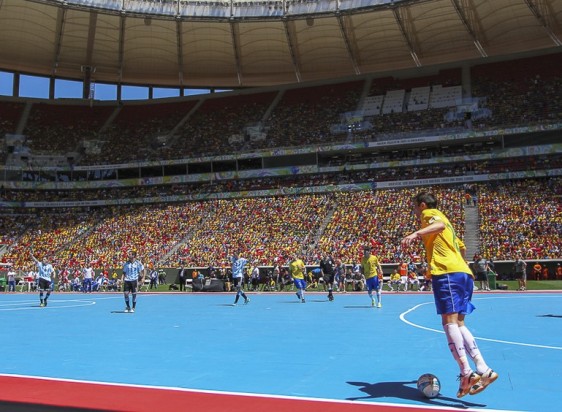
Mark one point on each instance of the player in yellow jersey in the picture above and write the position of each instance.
(452, 284)
(371, 269)
(298, 269)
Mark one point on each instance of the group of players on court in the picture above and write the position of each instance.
(452, 283)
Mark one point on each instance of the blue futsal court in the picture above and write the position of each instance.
(275, 346)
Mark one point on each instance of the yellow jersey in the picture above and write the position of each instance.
(370, 266)
(297, 269)
(442, 249)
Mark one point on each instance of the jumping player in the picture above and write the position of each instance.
(132, 269)
(453, 285)
(44, 281)
(371, 269)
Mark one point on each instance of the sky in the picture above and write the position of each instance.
(38, 87)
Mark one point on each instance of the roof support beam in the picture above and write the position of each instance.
(291, 42)
(406, 34)
(343, 23)
(121, 52)
(543, 13)
(91, 37)
(464, 11)
(235, 33)
(61, 18)
(179, 51)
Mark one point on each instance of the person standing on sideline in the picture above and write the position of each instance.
(132, 270)
(88, 273)
(45, 271)
(298, 269)
(371, 269)
(328, 268)
(520, 269)
(453, 284)
(153, 279)
(537, 270)
(238, 268)
(12, 280)
(181, 277)
(481, 268)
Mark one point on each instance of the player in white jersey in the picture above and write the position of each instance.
(44, 280)
(132, 269)
(238, 265)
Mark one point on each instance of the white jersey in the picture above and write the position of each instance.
(45, 270)
(132, 270)
(88, 273)
(238, 267)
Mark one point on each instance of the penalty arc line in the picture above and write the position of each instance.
(532, 345)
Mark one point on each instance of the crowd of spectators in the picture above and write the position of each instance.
(381, 218)
(302, 116)
(60, 129)
(379, 174)
(135, 132)
(522, 216)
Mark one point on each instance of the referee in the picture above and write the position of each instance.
(132, 269)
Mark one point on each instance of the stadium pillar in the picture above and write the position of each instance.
(16, 85)
(51, 87)
(87, 70)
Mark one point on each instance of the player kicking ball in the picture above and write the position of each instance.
(452, 285)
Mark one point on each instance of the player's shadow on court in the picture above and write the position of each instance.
(407, 390)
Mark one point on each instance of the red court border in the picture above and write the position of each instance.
(113, 397)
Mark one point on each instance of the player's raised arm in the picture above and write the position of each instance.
(32, 256)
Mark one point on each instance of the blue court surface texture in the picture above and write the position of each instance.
(276, 346)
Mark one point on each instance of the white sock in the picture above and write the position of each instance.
(456, 345)
(473, 351)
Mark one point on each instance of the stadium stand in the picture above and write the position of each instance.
(203, 232)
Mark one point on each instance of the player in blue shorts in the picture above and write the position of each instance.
(298, 269)
(452, 284)
(371, 269)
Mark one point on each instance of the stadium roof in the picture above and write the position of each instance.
(235, 43)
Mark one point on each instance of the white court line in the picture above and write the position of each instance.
(54, 303)
(24, 305)
(403, 319)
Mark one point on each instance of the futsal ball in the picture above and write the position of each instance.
(429, 385)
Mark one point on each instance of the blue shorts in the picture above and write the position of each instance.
(300, 283)
(373, 283)
(453, 292)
